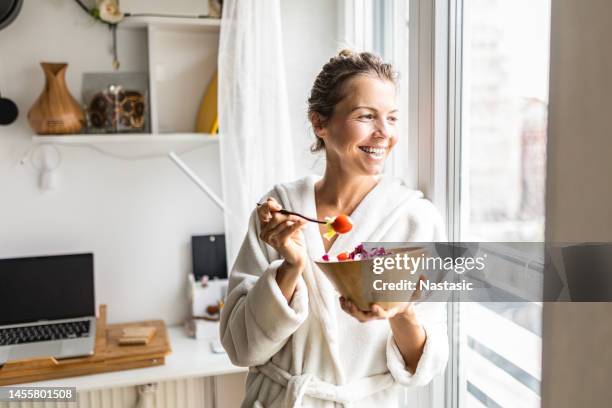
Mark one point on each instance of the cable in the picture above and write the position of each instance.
(134, 157)
(127, 15)
(83, 6)
(45, 165)
(28, 154)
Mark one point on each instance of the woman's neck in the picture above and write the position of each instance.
(343, 191)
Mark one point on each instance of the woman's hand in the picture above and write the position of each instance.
(376, 312)
(408, 333)
(400, 310)
(282, 232)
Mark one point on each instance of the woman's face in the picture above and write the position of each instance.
(362, 131)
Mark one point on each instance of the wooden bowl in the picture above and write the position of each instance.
(354, 279)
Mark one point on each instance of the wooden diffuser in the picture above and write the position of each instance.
(55, 111)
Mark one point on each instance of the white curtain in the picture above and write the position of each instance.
(256, 145)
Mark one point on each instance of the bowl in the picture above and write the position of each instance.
(354, 279)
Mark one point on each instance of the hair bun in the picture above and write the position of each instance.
(346, 53)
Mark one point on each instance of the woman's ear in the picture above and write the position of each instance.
(318, 124)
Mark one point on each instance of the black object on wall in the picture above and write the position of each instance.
(9, 9)
(8, 111)
(209, 256)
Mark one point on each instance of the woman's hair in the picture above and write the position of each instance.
(329, 86)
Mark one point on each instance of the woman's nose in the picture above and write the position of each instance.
(383, 129)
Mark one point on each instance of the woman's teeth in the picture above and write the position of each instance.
(376, 152)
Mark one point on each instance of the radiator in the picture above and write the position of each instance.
(184, 393)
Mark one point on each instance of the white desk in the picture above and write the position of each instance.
(189, 358)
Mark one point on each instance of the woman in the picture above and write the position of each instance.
(283, 318)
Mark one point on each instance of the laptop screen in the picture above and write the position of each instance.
(46, 288)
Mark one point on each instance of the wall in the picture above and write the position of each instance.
(136, 216)
(577, 355)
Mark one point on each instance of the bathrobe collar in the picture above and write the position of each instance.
(368, 217)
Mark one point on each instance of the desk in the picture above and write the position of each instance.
(190, 358)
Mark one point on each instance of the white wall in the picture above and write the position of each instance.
(577, 352)
(136, 216)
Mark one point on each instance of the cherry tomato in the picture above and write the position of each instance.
(342, 224)
(343, 256)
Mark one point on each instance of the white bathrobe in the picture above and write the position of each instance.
(310, 352)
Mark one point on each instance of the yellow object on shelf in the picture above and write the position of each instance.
(208, 117)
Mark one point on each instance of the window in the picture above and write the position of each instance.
(502, 94)
(381, 26)
(474, 79)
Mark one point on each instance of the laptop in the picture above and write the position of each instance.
(47, 307)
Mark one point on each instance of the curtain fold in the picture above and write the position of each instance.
(255, 140)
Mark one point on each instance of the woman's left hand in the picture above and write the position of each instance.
(377, 313)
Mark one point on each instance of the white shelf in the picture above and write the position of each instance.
(211, 25)
(189, 358)
(133, 146)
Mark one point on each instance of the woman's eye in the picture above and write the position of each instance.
(368, 116)
(393, 119)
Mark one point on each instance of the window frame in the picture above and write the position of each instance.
(434, 131)
(435, 137)
(435, 50)
(433, 128)
(432, 137)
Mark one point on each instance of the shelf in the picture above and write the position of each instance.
(133, 146)
(203, 138)
(189, 358)
(210, 25)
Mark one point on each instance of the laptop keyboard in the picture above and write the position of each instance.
(44, 332)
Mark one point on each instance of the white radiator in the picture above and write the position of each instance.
(187, 393)
(227, 391)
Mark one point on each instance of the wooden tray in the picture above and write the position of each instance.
(108, 355)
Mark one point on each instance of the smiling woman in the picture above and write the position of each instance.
(282, 317)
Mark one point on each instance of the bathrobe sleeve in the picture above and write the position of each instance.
(256, 320)
(435, 354)
(424, 224)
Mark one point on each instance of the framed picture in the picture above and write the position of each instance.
(116, 102)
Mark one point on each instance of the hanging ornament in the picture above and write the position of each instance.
(107, 12)
(115, 59)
